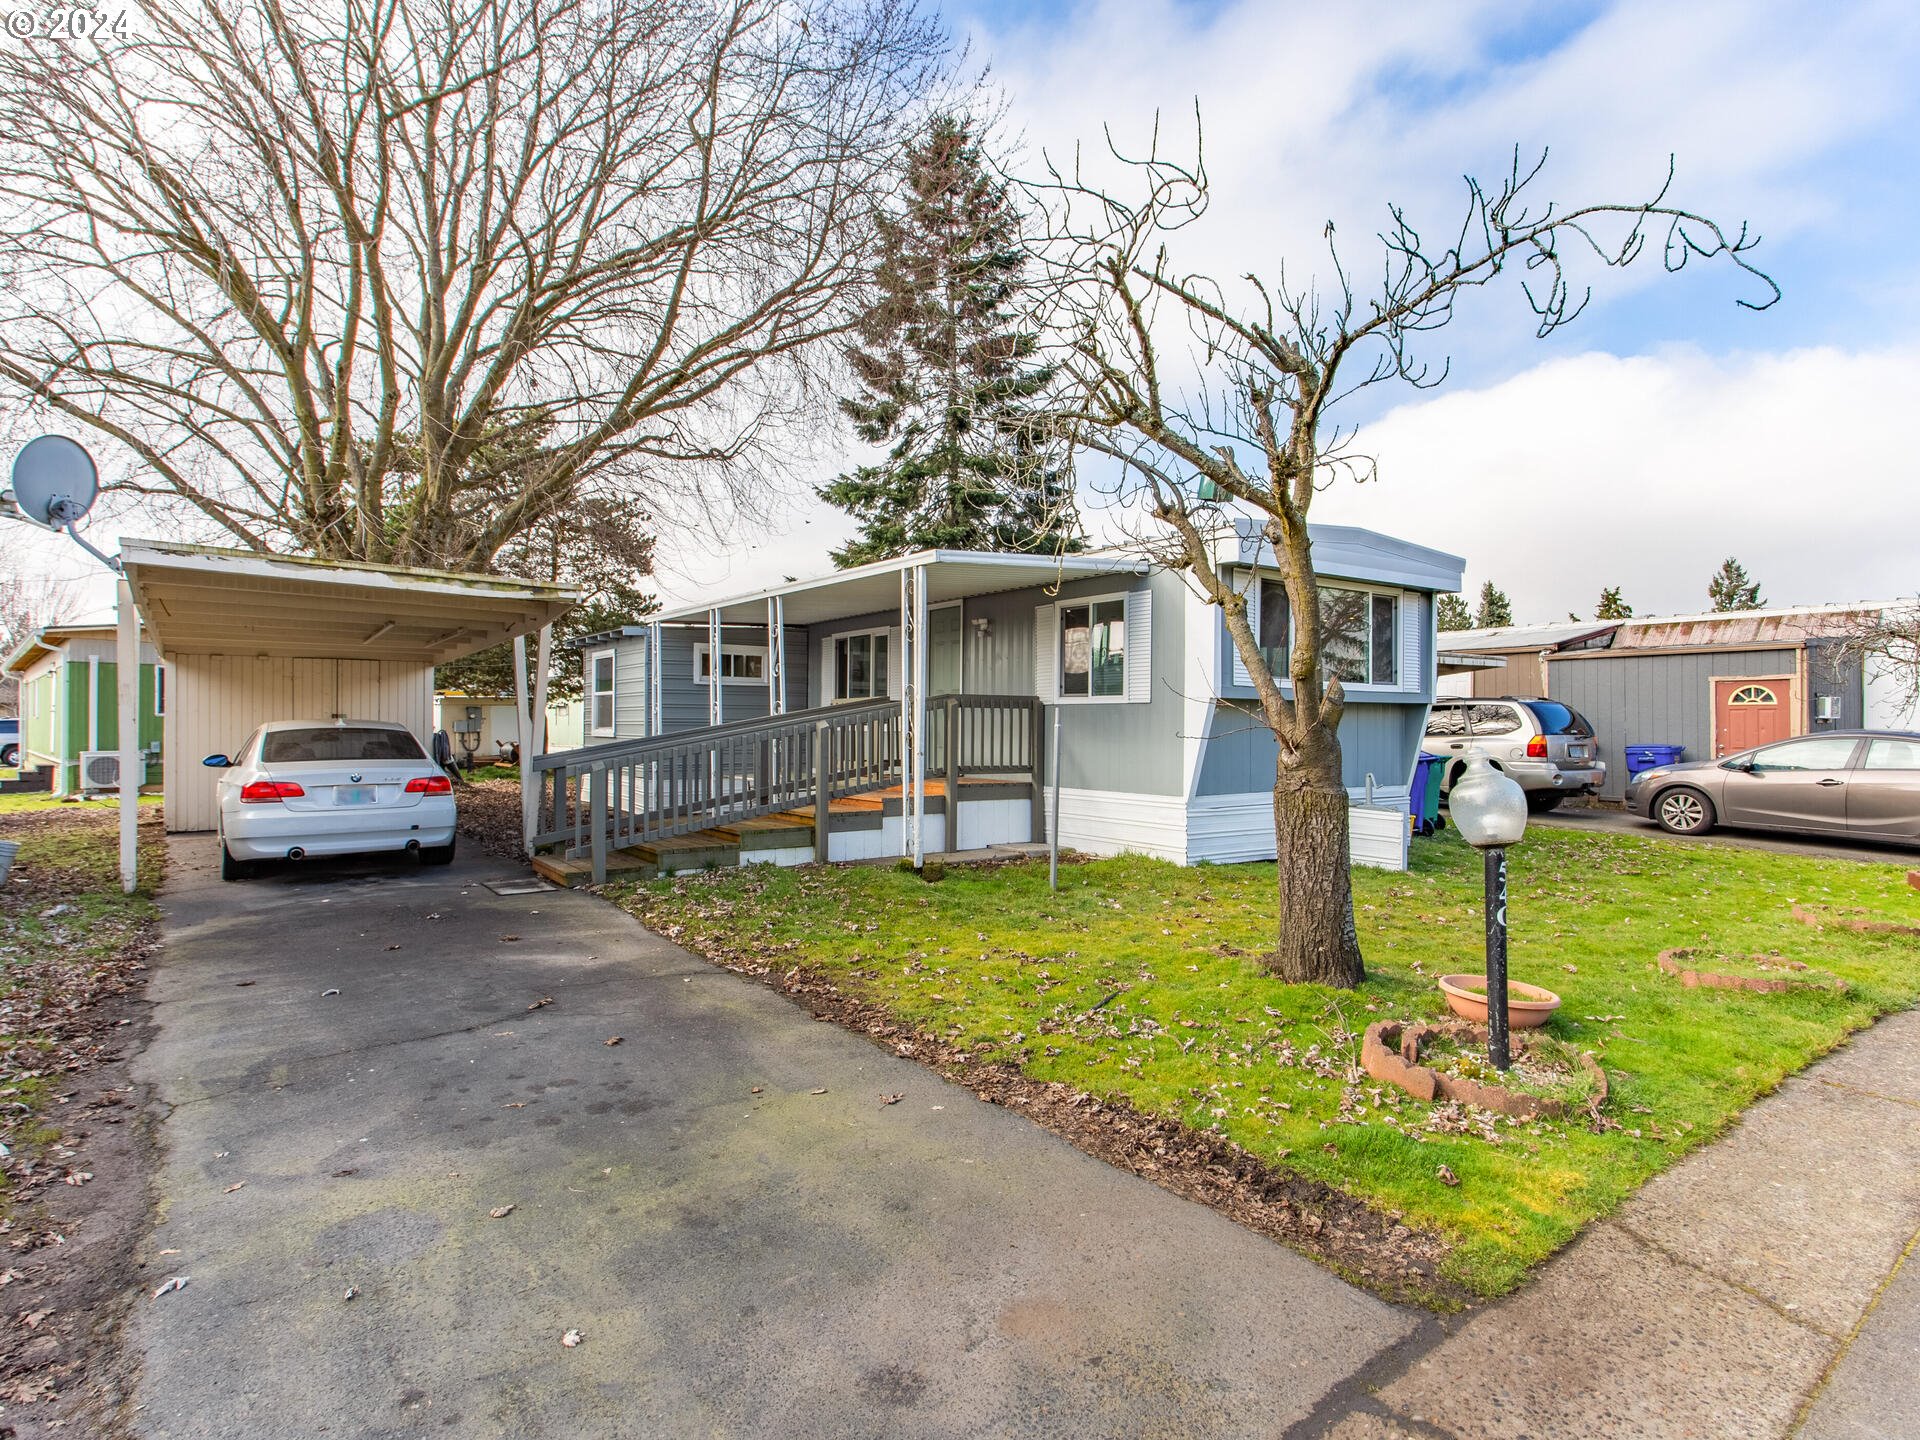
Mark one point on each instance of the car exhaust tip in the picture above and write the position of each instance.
(413, 847)
(296, 853)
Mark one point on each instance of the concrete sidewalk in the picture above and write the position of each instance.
(750, 1242)
(1763, 1287)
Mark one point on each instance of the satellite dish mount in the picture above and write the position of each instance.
(54, 486)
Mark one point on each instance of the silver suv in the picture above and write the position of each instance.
(1546, 746)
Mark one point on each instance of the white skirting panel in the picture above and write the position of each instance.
(1107, 822)
(1227, 829)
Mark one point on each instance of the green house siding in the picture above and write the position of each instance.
(67, 723)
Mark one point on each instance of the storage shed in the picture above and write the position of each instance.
(249, 637)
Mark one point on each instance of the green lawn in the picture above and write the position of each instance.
(68, 939)
(1196, 1029)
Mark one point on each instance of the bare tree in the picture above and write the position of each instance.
(1211, 398)
(397, 279)
(1887, 643)
(26, 604)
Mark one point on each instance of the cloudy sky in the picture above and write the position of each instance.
(1665, 430)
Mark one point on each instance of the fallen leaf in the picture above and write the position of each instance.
(514, 1105)
(393, 947)
(1446, 1175)
(350, 1170)
(178, 1282)
(32, 1322)
(757, 1089)
(352, 1292)
(509, 939)
(237, 1185)
(544, 1000)
(79, 1177)
(893, 1099)
(500, 1212)
(242, 984)
(325, 993)
(821, 1090)
(615, 1039)
(169, 1252)
(571, 1339)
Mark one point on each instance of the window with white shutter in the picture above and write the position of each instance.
(1095, 649)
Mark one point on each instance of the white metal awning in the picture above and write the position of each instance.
(198, 599)
(867, 589)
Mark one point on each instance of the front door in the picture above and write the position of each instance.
(944, 632)
(1797, 785)
(1747, 713)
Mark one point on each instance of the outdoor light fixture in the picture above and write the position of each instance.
(1489, 809)
(982, 626)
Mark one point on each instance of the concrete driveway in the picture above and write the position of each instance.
(749, 1242)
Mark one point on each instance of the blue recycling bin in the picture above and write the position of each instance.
(1423, 798)
(1649, 757)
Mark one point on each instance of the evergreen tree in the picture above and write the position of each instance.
(945, 370)
(1451, 613)
(1495, 609)
(1611, 606)
(1730, 589)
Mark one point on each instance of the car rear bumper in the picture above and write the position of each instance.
(271, 831)
(1545, 775)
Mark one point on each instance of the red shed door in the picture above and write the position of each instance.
(1747, 713)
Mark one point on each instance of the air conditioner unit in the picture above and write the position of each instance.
(1826, 707)
(99, 770)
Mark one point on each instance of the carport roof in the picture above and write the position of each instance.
(203, 599)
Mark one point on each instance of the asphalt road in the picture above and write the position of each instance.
(1620, 821)
(748, 1241)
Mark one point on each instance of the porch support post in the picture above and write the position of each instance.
(715, 713)
(132, 768)
(776, 655)
(525, 738)
(653, 679)
(919, 715)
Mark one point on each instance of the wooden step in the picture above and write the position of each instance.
(689, 852)
(620, 866)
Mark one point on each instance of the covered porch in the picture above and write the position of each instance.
(889, 709)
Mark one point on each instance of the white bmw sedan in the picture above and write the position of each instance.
(345, 787)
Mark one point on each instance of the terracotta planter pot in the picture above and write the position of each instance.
(1528, 1006)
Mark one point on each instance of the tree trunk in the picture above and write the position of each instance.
(1318, 944)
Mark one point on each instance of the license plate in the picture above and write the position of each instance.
(355, 794)
(1578, 752)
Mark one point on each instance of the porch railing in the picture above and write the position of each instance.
(630, 792)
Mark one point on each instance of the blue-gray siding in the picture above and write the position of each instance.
(1380, 740)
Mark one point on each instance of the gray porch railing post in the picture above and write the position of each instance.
(953, 772)
(600, 807)
(1036, 751)
(822, 791)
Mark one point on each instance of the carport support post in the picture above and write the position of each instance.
(132, 770)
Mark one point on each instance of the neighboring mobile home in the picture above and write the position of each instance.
(69, 702)
(1160, 750)
(1714, 683)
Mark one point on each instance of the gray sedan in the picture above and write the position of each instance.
(1860, 783)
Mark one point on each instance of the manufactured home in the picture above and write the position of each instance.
(69, 710)
(895, 688)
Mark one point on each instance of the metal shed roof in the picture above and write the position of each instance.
(202, 599)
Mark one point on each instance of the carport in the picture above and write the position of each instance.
(248, 637)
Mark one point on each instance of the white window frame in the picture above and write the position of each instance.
(885, 689)
(1060, 608)
(1377, 687)
(700, 664)
(612, 692)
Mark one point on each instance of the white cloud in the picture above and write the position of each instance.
(1646, 471)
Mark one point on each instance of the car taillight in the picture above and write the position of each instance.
(429, 785)
(1537, 748)
(264, 790)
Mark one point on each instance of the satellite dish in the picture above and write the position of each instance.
(54, 482)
